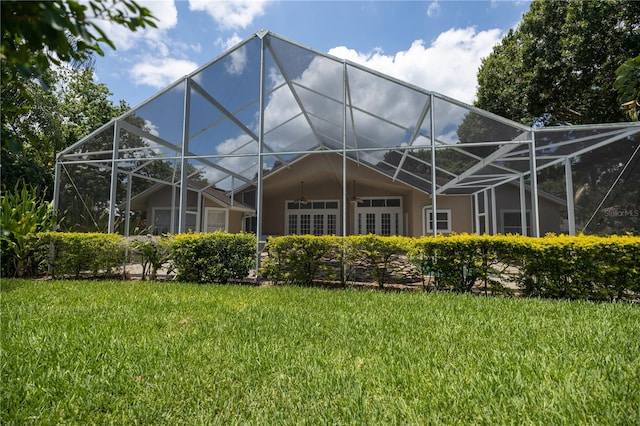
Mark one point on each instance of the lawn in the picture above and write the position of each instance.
(78, 352)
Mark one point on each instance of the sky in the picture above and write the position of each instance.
(437, 45)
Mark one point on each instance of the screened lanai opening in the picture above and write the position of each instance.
(275, 138)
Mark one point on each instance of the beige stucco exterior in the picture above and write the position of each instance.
(322, 177)
(161, 200)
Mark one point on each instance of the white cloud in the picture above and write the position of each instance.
(229, 42)
(238, 57)
(433, 9)
(230, 14)
(125, 39)
(448, 65)
(161, 72)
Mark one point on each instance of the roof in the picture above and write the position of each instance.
(268, 101)
(216, 195)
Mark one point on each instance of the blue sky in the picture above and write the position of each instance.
(437, 45)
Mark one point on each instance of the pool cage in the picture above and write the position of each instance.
(268, 102)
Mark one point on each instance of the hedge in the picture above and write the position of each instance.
(555, 266)
(203, 258)
(69, 254)
(580, 267)
(212, 257)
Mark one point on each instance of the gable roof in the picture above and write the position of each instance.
(268, 101)
(216, 195)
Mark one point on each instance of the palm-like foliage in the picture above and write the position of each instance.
(22, 215)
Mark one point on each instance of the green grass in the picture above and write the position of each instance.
(81, 352)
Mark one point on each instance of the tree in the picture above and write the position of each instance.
(46, 109)
(628, 86)
(37, 34)
(559, 65)
(38, 122)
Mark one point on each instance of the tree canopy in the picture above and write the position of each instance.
(49, 98)
(559, 65)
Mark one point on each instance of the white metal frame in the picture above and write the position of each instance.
(487, 174)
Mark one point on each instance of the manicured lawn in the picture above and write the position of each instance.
(79, 352)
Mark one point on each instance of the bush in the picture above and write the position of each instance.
(212, 257)
(461, 262)
(375, 253)
(153, 252)
(22, 215)
(296, 259)
(582, 267)
(73, 254)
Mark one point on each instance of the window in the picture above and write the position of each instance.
(386, 224)
(443, 220)
(215, 219)
(381, 216)
(162, 221)
(371, 223)
(512, 222)
(318, 224)
(250, 224)
(305, 224)
(316, 218)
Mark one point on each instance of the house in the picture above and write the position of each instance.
(276, 138)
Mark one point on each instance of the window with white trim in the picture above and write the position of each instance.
(512, 222)
(162, 221)
(378, 215)
(319, 217)
(443, 220)
(215, 219)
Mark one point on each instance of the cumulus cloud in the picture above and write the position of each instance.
(230, 14)
(167, 65)
(448, 65)
(124, 39)
(161, 72)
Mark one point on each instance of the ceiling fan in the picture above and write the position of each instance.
(355, 199)
(302, 199)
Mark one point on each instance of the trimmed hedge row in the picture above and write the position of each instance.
(204, 258)
(582, 267)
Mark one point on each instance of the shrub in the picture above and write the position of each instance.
(153, 252)
(22, 215)
(582, 267)
(296, 259)
(376, 253)
(73, 254)
(212, 257)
